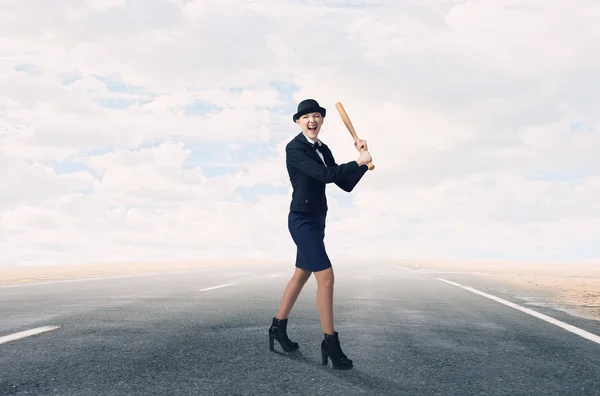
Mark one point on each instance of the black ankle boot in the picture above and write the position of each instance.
(278, 331)
(330, 347)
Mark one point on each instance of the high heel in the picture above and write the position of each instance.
(278, 331)
(330, 348)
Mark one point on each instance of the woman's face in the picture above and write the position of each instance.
(311, 124)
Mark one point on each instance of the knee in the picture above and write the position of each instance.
(300, 279)
(326, 280)
(327, 283)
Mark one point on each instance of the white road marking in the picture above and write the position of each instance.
(397, 266)
(26, 333)
(79, 280)
(273, 275)
(217, 287)
(566, 326)
(452, 283)
(108, 277)
(100, 278)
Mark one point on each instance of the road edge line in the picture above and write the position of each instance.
(216, 287)
(26, 333)
(573, 329)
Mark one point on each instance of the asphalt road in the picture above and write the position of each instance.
(408, 333)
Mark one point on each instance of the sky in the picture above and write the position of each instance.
(135, 130)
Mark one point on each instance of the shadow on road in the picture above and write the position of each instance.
(355, 377)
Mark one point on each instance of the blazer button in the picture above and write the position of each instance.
(306, 201)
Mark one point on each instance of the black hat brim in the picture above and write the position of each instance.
(314, 109)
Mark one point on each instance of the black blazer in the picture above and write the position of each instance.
(309, 176)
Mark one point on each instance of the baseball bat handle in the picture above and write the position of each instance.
(350, 127)
(370, 165)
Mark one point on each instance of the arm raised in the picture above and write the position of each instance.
(298, 158)
(351, 180)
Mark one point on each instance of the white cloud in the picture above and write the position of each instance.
(103, 5)
(136, 130)
(526, 36)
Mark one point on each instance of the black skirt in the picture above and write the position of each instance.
(308, 232)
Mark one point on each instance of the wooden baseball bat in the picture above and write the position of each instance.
(350, 127)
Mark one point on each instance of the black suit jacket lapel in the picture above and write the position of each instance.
(302, 139)
(324, 149)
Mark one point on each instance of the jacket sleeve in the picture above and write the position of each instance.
(297, 158)
(347, 184)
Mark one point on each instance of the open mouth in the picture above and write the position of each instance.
(312, 128)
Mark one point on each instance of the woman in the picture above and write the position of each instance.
(311, 166)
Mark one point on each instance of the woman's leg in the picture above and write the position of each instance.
(292, 291)
(325, 280)
(330, 346)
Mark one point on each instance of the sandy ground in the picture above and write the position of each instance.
(29, 274)
(574, 286)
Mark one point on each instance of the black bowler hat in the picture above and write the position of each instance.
(309, 106)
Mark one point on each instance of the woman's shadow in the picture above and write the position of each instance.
(354, 376)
